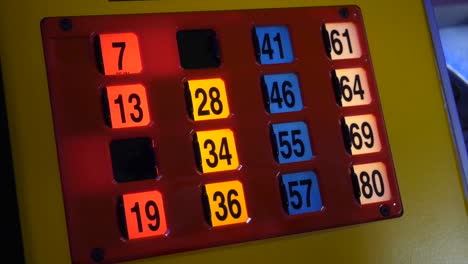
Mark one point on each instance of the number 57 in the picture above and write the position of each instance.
(294, 193)
(300, 192)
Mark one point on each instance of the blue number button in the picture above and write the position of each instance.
(301, 193)
(273, 45)
(282, 93)
(291, 142)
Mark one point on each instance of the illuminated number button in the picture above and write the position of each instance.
(354, 87)
(364, 135)
(373, 183)
(133, 159)
(143, 215)
(207, 99)
(291, 142)
(126, 106)
(282, 93)
(225, 203)
(342, 41)
(273, 45)
(215, 150)
(301, 193)
(118, 53)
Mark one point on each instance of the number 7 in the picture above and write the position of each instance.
(122, 46)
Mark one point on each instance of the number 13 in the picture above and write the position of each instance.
(126, 106)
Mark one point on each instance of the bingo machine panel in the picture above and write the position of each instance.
(183, 131)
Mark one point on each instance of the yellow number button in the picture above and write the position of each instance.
(216, 150)
(208, 99)
(225, 203)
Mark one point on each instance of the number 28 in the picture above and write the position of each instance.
(207, 99)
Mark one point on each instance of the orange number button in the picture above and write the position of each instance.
(144, 214)
(118, 53)
(126, 106)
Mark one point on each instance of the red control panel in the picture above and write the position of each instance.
(184, 131)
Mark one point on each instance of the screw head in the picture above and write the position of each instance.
(66, 24)
(384, 210)
(344, 13)
(97, 254)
